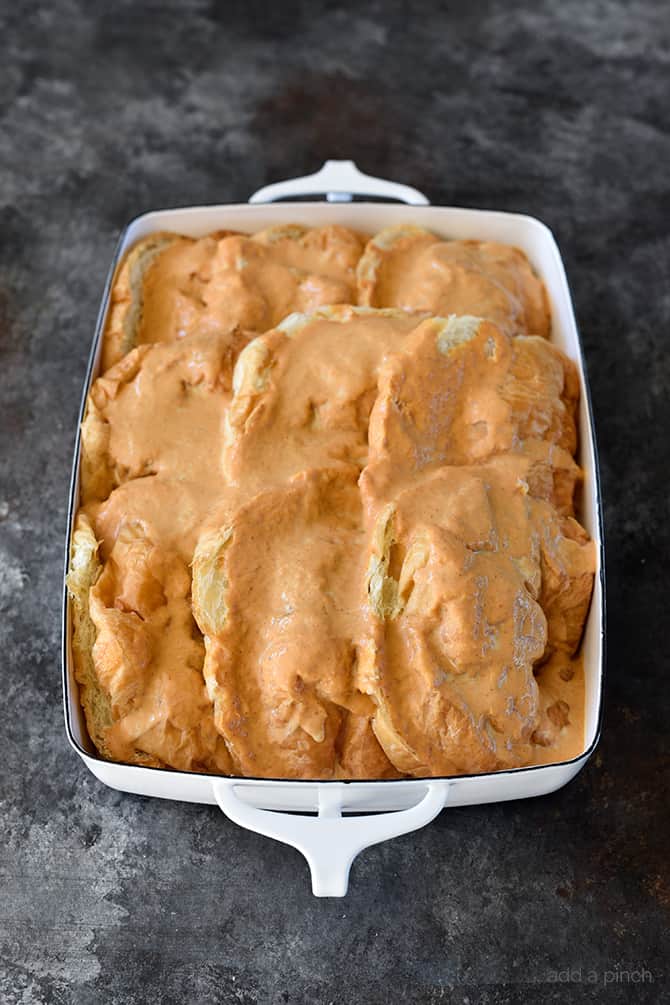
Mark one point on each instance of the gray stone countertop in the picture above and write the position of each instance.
(556, 110)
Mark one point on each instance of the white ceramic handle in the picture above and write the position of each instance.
(340, 180)
(330, 842)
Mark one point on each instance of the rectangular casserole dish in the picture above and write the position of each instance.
(376, 810)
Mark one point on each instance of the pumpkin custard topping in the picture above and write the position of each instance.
(327, 524)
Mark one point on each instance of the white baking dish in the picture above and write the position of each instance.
(382, 809)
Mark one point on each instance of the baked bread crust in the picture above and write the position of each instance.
(85, 569)
(127, 295)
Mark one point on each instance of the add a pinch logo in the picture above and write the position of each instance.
(617, 975)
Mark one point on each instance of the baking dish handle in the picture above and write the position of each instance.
(340, 181)
(330, 842)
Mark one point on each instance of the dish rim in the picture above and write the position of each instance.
(73, 505)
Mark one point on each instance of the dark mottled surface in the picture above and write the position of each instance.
(556, 109)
